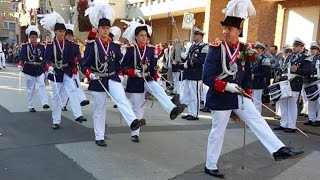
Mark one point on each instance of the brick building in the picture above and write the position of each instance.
(276, 22)
(8, 23)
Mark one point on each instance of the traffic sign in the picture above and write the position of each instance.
(188, 21)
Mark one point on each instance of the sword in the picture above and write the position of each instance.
(20, 74)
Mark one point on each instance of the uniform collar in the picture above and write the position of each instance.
(233, 45)
(141, 46)
(105, 42)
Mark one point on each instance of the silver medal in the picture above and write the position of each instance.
(233, 67)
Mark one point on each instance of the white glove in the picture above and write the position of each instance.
(93, 76)
(137, 73)
(121, 78)
(185, 65)
(20, 68)
(51, 70)
(232, 87)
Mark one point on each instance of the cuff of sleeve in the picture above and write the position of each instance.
(91, 35)
(76, 60)
(249, 92)
(119, 73)
(130, 72)
(21, 63)
(87, 73)
(46, 67)
(219, 85)
(156, 76)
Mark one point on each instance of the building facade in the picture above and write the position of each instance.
(8, 23)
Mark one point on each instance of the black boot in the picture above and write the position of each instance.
(81, 119)
(101, 143)
(135, 138)
(279, 128)
(136, 124)
(32, 110)
(64, 108)
(308, 123)
(46, 106)
(213, 172)
(289, 130)
(55, 126)
(315, 124)
(286, 152)
(176, 111)
(84, 103)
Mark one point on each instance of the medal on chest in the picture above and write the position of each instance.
(233, 67)
(61, 48)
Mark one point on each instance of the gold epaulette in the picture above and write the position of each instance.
(89, 41)
(49, 42)
(215, 44)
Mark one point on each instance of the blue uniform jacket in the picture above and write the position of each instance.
(36, 56)
(304, 70)
(136, 84)
(216, 100)
(89, 63)
(195, 60)
(68, 58)
(261, 72)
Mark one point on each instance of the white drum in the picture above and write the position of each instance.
(312, 91)
(280, 90)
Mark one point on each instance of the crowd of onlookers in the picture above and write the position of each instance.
(11, 52)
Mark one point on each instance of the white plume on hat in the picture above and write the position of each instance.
(240, 8)
(69, 26)
(48, 21)
(100, 9)
(116, 31)
(32, 28)
(129, 33)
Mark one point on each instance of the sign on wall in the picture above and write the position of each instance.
(188, 21)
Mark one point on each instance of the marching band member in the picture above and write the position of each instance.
(30, 61)
(300, 66)
(101, 64)
(77, 57)
(261, 73)
(314, 103)
(192, 74)
(139, 63)
(59, 62)
(224, 73)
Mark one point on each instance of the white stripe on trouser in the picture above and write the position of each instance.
(79, 89)
(137, 99)
(304, 109)
(192, 96)
(176, 82)
(278, 110)
(2, 60)
(314, 110)
(69, 88)
(252, 118)
(31, 82)
(99, 107)
(257, 95)
(205, 89)
(289, 111)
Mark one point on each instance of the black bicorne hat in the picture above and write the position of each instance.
(69, 31)
(141, 28)
(104, 22)
(234, 22)
(33, 33)
(60, 26)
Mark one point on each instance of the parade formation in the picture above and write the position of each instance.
(229, 77)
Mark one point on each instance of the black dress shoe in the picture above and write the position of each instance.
(32, 110)
(214, 172)
(201, 102)
(289, 130)
(136, 124)
(185, 117)
(84, 103)
(81, 119)
(46, 106)
(101, 143)
(279, 128)
(55, 126)
(286, 152)
(115, 106)
(64, 108)
(205, 110)
(135, 138)
(192, 118)
(315, 124)
(308, 123)
(176, 111)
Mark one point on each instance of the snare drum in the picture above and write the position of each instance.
(280, 90)
(312, 91)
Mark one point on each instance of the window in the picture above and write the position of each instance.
(9, 25)
(13, 6)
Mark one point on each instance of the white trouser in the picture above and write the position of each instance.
(2, 60)
(289, 111)
(31, 82)
(176, 82)
(191, 95)
(64, 96)
(252, 118)
(257, 95)
(314, 110)
(79, 89)
(99, 107)
(137, 100)
(305, 101)
(69, 88)
(162, 83)
(205, 89)
(278, 110)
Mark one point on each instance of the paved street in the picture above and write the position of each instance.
(30, 149)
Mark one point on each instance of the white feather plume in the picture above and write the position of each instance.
(100, 9)
(48, 21)
(32, 28)
(240, 8)
(116, 31)
(129, 33)
(69, 25)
